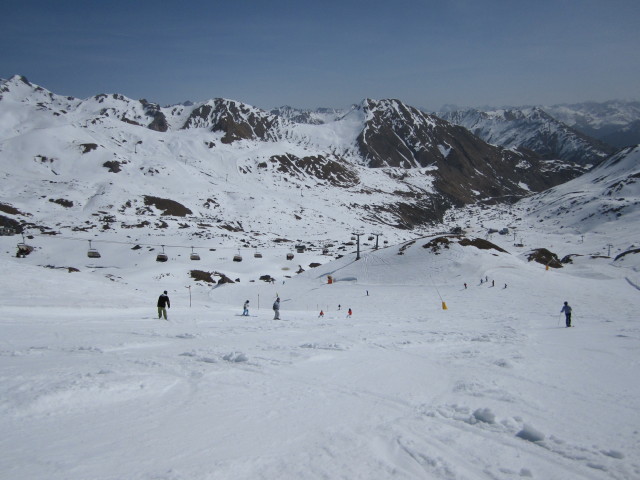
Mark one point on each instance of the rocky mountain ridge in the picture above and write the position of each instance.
(234, 168)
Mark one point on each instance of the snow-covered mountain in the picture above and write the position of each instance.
(534, 129)
(615, 122)
(454, 361)
(109, 164)
(605, 199)
(314, 117)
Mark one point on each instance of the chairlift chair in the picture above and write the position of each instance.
(257, 255)
(162, 257)
(237, 257)
(92, 252)
(194, 255)
(23, 250)
(289, 256)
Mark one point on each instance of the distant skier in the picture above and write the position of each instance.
(493, 283)
(321, 314)
(465, 286)
(245, 309)
(163, 304)
(349, 313)
(276, 309)
(566, 309)
(481, 281)
(339, 306)
(505, 285)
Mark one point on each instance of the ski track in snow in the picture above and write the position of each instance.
(416, 437)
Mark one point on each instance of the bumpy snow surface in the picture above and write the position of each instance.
(95, 386)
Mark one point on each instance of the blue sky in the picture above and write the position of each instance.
(328, 53)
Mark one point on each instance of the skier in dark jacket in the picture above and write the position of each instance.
(163, 304)
(566, 309)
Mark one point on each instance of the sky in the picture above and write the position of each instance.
(328, 53)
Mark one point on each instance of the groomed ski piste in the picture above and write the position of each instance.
(94, 386)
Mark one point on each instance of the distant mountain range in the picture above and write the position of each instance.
(582, 132)
(534, 129)
(615, 122)
(110, 164)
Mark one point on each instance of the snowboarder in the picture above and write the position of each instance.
(276, 309)
(567, 313)
(163, 304)
(245, 309)
(349, 312)
(321, 314)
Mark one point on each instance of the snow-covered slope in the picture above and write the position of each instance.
(95, 386)
(606, 198)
